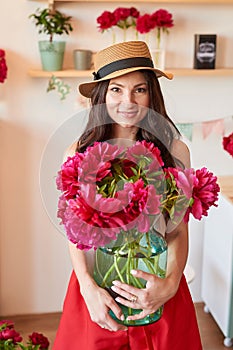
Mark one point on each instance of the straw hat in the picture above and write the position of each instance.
(120, 59)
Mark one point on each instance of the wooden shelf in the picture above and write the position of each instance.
(66, 73)
(221, 2)
(72, 73)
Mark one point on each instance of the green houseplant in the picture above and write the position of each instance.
(51, 23)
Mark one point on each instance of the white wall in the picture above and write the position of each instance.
(34, 262)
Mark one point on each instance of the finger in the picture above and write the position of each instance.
(142, 274)
(111, 323)
(124, 294)
(117, 311)
(129, 303)
(124, 289)
(139, 316)
(114, 326)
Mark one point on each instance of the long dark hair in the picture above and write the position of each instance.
(156, 127)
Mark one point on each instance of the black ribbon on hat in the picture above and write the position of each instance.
(123, 64)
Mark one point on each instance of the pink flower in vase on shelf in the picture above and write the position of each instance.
(163, 20)
(121, 17)
(106, 20)
(160, 21)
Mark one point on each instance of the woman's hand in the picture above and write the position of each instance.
(99, 302)
(156, 292)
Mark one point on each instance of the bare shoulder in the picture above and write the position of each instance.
(181, 151)
(70, 151)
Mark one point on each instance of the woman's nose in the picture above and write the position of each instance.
(128, 97)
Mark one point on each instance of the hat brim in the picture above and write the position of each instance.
(86, 88)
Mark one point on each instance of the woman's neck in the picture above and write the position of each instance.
(127, 133)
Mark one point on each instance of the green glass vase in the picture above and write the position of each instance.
(131, 250)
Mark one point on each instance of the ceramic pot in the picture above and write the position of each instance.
(52, 55)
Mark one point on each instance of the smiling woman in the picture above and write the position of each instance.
(127, 108)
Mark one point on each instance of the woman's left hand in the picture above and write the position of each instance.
(156, 292)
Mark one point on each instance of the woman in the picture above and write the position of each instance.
(127, 105)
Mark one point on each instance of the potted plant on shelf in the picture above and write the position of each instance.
(52, 22)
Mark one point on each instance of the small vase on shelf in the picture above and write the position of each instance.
(131, 250)
(157, 43)
(158, 56)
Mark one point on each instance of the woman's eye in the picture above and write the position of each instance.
(115, 89)
(141, 90)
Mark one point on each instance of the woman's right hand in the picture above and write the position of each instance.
(99, 302)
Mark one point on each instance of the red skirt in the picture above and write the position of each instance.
(176, 330)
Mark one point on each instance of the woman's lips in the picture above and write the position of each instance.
(128, 114)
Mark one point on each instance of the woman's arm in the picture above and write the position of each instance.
(98, 300)
(177, 240)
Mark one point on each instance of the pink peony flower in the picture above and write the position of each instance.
(142, 202)
(106, 20)
(227, 143)
(10, 334)
(145, 155)
(96, 162)
(205, 194)
(67, 179)
(39, 339)
(162, 19)
(185, 180)
(145, 24)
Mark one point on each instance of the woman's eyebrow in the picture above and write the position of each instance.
(122, 85)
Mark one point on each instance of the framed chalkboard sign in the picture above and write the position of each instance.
(205, 51)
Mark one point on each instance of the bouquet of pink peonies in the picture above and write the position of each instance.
(108, 189)
(113, 199)
(10, 339)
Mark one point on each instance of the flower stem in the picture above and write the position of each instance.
(116, 258)
(108, 273)
(158, 37)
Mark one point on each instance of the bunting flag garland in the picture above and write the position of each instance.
(186, 130)
(213, 126)
(208, 127)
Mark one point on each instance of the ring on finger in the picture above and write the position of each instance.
(134, 299)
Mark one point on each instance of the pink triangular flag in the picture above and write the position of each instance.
(211, 126)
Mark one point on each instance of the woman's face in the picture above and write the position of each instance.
(127, 99)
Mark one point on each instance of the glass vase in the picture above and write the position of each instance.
(131, 250)
(156, 41)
